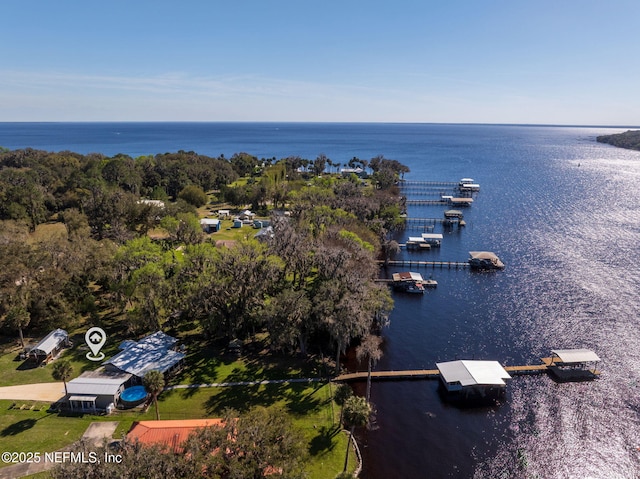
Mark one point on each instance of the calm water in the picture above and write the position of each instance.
(563, 213)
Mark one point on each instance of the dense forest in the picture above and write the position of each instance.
(629, 139)
(310, 283)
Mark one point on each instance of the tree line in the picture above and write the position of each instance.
(629, 139)
(310, 283)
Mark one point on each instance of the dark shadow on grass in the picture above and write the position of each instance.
(18, 427)
(324, 441)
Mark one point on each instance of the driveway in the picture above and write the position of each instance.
(48, 392)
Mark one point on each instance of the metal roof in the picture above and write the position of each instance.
(150, 353)
(575, 355)
(432, 235)
(473, 372)
(96, 386)
(50, 342)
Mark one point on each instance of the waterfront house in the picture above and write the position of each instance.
(153, 352)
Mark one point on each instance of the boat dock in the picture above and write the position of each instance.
(429, 221)
(405, 183)
(526, 370)
(432, 264)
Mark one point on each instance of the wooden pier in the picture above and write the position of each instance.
(429, 221)
(405, 183)
(427, 264)
(426, 202)
(525, 370)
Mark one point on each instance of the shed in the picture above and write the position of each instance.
(210, 225)
(224, 213)
(50, 345)
(473, 377)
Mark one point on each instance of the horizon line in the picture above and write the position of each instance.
(311, 122)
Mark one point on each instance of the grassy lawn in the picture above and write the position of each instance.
(310, 406)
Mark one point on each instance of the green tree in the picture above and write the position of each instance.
(62, 371)
(356, 414)
(153, 381)
(18, 318)
(194, 195)
(262, 441)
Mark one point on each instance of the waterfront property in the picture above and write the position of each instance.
(473, 378)
(50, 346)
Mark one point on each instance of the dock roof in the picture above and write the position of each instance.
(573, 356)
(473, 372)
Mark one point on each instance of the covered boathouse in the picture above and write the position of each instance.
(473, 379)
(573, 364)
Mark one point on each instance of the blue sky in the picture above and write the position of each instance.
(493, 61)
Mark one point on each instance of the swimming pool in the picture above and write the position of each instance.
(133, 395)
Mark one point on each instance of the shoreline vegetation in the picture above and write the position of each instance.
(117, 242)
(629, 139)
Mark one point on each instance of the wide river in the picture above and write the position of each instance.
(563, 214)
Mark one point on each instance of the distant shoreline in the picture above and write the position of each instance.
(629, 140)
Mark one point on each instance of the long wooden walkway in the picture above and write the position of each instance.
(427, 202)
(403, 183)
(432, 264)
(429, 221)
(528, 369)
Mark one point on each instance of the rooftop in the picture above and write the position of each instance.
(50, 342)
(171, 433)
(473, 372)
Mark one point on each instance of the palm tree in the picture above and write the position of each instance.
(356, 413)
(62, 371)
(153, 382)
(369, 348)
(343, 392)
